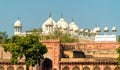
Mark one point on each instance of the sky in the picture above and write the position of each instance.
(33, 13)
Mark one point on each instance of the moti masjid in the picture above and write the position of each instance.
(96, 49)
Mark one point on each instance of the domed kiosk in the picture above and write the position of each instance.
(17, 27)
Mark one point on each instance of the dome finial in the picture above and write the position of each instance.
(49, 14)
(95, 25)
(72, 19)
(114, 25)
(18, 17)
(62, 15)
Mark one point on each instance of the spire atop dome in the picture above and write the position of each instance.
(72, 20)
(49, 14)
(18, 18)
(62, 15)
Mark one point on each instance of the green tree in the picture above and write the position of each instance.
(3, 37)
(35, 31)
(28, 47)
(118, 51)
(118, 38)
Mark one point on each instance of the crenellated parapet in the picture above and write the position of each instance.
(50, 41)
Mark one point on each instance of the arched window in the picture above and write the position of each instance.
(117, 68)
(66, 68)
(96, 68)
(10, 68)
(86, 68)
(20, 68)
(76, 68)
(1, 68)
(107, 68)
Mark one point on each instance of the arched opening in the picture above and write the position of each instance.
(76, 68)
(117, 68)
(66, 68)
(107, 68)
(10, 68)
(1, 68)
(86, 68)
(47, 64)
(96, 68)
(20, 68)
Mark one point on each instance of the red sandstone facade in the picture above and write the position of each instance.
(5, 63)
(99, 55)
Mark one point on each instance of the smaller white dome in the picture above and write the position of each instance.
(62, 24)
(94, 30)
(86, 31)
(91, 31)
(98, 29)
(18, 23)
(49, 21)
(81, 30)
(106, 29)
(73, 26)
(114, 28)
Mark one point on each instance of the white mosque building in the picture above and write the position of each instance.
(49, 26)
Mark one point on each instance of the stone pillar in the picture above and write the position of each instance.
(70, 66)
(5, 67)
(37, 67)
(91, 67)
(30, 68)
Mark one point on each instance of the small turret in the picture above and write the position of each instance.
(106, 30)
(114, 30)
(17, 27)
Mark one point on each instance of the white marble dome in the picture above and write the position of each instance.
(91, 31)
(18, 23)
(73, 26)
(114, 28)
(49, 21)
(62, 24)
(94, 30)
(106, 29)
(81, 30)
(86, 31)
(98, 29)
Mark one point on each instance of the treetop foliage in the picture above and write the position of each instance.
(3, 37)
(29, 47)
(57, 34)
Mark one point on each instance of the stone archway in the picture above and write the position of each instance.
(96, 68)
(76, 68)
(117, 68)
(86, 68)
(66, 68)
(107, 68)
(20, 68)
(47, 64)
(10, 68)
(1, 68)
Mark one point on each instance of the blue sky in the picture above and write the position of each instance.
(33, 13)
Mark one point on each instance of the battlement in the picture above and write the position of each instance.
(50, 41)
(75, 43)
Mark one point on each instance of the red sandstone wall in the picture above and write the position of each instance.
(53, 47)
